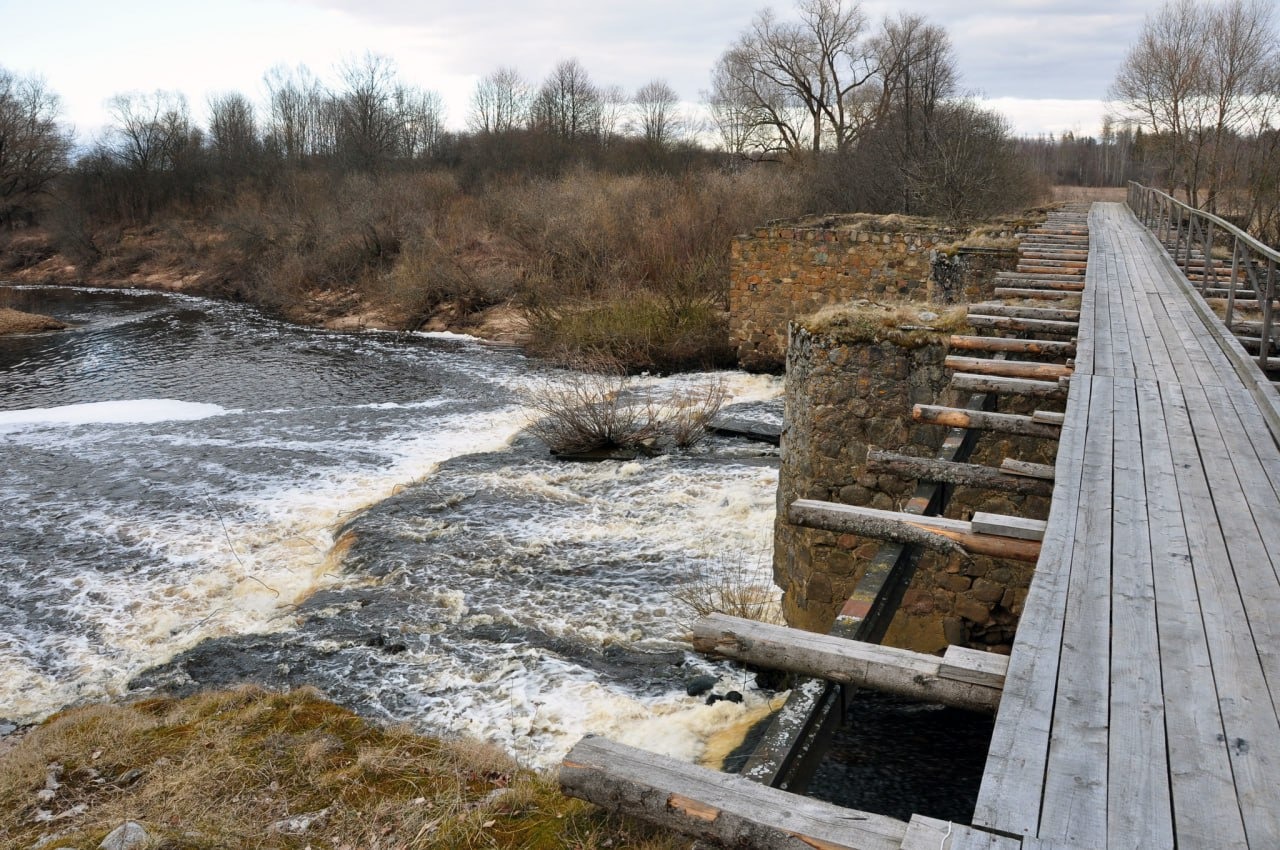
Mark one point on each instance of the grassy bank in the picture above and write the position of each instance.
(631, 266)
(253, 768)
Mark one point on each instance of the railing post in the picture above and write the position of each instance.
(1235, 276)
(1267, 314)
(1207, 250)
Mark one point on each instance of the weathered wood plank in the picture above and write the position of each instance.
(1003, 323)
(1013, 780)
(866, 665)
(720, 807)
(1008, 423)
(1206, 812)
(924, 833)
(1008, 526)
(1058, 314)
(949, 472)
(972, 665)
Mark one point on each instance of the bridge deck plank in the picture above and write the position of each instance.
(1139, 709)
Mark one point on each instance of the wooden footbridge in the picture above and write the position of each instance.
(1140, 705)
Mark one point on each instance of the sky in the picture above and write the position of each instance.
(1045, 64)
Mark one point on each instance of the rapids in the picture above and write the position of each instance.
(195, 494)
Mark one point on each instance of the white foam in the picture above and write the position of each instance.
(133, 411)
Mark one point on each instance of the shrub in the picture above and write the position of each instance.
(601, 407)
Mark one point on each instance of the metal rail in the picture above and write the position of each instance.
(1192, 236)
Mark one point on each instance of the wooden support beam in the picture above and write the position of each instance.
(1004, 323)
(949, 472)
(938, 533)
(989, 308)
(706, 804)
(1042, 282)
(1007, 368)
(1008, 526)
(851, 662)
(1042, 294)
(1048, 417)
(1030, 470)
(1008, 386)
(1014, 346)
(1005, 423)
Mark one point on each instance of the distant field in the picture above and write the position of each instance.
(1088, 193)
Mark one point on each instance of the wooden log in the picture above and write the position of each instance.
(1048, 417)
(1007, 368)
(1004, 423)
(1041, 294)
(1042, 282)
(1004, 323)
(1008, 386)
(948, 472)
(951, 536)
(866, 665)
(974, 665)
(1030, 470)
(1014, 346)
(720, 807)
(988, 308)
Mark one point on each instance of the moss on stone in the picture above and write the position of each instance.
(907, 324)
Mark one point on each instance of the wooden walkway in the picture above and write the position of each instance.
(1141, 703)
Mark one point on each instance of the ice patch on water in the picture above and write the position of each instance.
(131, 411)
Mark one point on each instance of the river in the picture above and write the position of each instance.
(195, 494)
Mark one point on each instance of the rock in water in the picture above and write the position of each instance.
(127, 836)
(699, 686)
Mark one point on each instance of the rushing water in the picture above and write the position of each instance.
(194, 494)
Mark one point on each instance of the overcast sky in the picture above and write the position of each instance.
(1045, 63)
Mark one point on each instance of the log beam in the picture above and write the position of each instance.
(1005, 423)
(987, 308)
(1014, 346)
(949, 472)
(1008, 368)
(1008, 386)
(951, 536)
(704, 804)
(865, 665)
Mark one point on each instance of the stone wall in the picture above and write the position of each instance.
(843, 398)
(784, 271)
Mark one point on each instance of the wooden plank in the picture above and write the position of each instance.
(1008, 386)
(1075, 785)
(1206, 812)
(1031, 470)
(1008, 526)
(1139, 810)
(973, 665)
(949, 472)
(1237, 668)
(1013, 780)
(1013, 346)
(1007, 368)
(937, 533)
(707, 804)
(1006, 423)
(886, 669)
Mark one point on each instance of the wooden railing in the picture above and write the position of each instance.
(1192, 236)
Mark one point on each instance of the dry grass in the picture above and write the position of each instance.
(227, 769)
(906, 324)
(736, 590)
(18, 322)
(602, 407)
(1077, 194)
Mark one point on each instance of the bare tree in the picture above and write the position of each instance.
(233, 131)
(500, 102)
(568, 104)
(33, 146)
(365, 109)
(657, 116)
(151, 130)
(1198, 77)
(420, 118)
(296, 100)
(798, 87)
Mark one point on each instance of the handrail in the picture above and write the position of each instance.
(1184, 230)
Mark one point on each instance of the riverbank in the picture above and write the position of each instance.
(252, 767)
